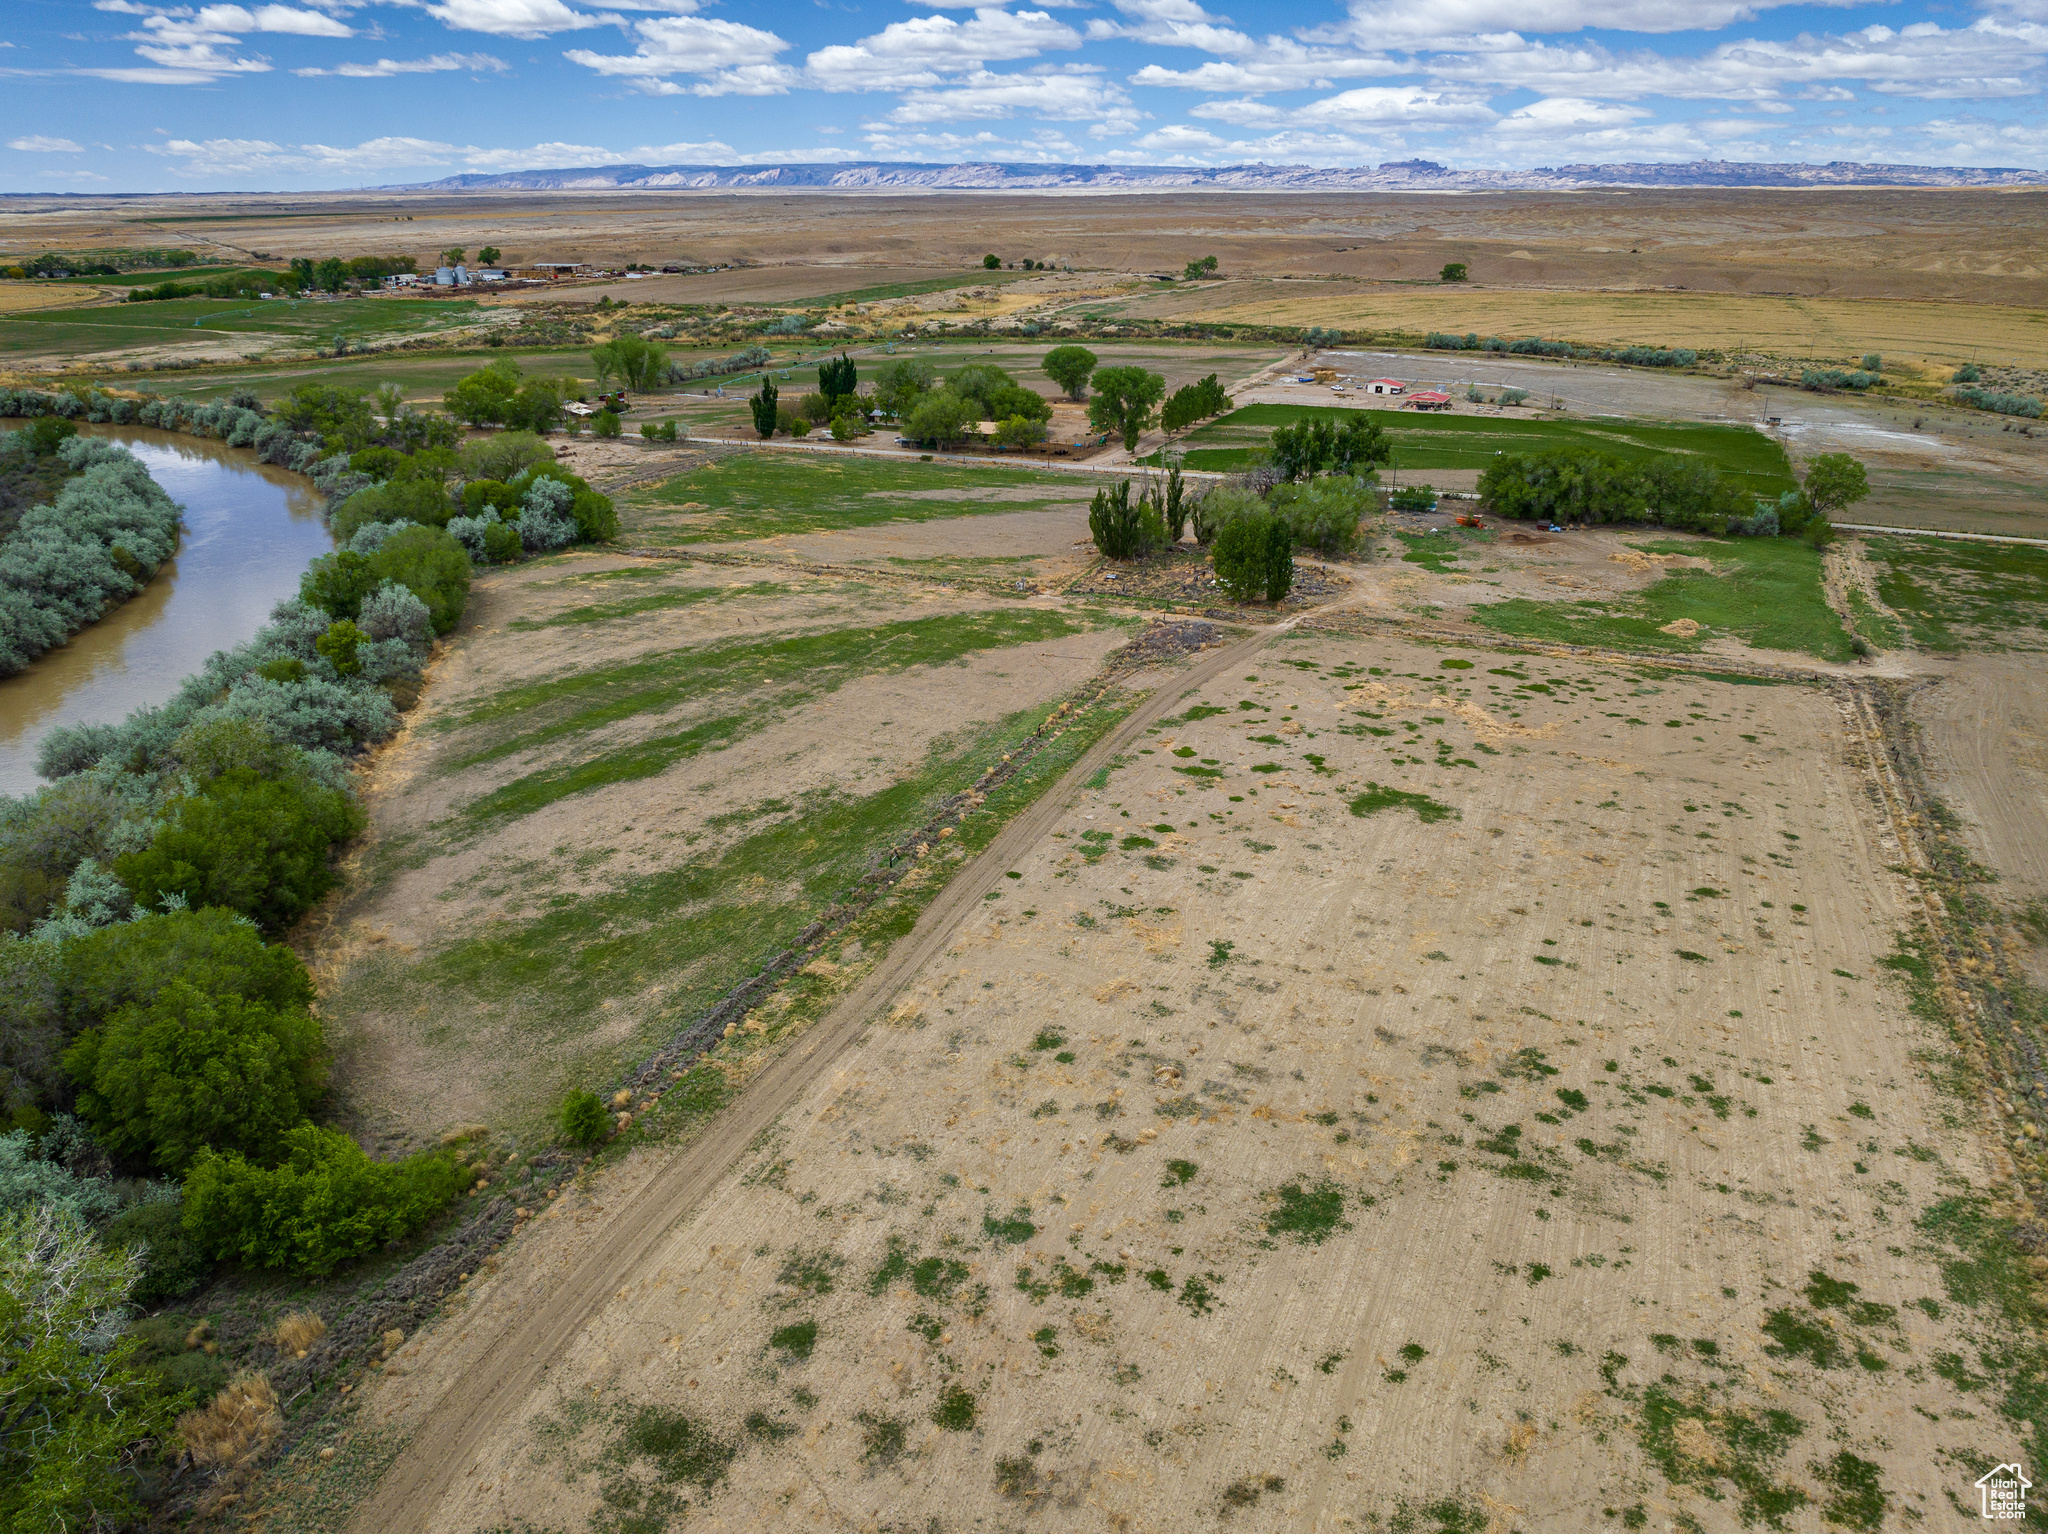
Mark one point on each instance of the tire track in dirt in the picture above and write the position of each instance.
(470, 1410)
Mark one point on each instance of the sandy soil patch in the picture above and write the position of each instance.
(1279, 1162)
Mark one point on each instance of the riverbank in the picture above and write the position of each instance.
(251, 528)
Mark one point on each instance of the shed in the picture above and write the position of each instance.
(1386, 386)
(1430, 399)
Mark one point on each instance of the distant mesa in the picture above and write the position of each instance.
(1392, 176)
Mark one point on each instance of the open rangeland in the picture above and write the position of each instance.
(1368, 1067)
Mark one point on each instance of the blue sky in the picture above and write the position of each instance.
(125, 95)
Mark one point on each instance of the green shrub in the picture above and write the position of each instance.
(131, 962)
(1247, 566)
(326, 1204)
(605, 424)
(495, 493)
(1117, 526)
(1414, 498)
(1324, 514)
(502, 543)
(254, 845)
(338, 646)
(172, 1263)
(429, 563)
(503, 455)
(583, 1118)
(416, 500)
(166, 1078)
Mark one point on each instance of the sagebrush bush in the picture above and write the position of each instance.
(93, 546)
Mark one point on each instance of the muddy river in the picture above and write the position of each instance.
(250, 529)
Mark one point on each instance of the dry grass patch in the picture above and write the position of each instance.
(236, 1426)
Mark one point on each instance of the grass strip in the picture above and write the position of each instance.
(760, 495)
(1764, 591)
(587, 700)
(656, 601)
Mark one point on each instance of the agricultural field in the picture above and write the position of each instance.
(1956, 596)
(1424, 442)
(1923, 333)
(774, 734)
(1375, 1069)
(1397, 1088)
(181, 322)
(783, 495)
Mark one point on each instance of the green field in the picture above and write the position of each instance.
(1747, 457)
(762, 494)
(1984, 596)
(191, 319)
(1765, 592)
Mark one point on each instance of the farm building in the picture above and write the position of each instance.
(1386, 386)
(1430, 399)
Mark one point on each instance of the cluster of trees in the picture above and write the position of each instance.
(499, 394)
(1571, 485)
(95, 544)
(1254, 526)
(160, 1064)
(331, 274)
(497, 497)
(1321, 445)
(638, 363)
(1203, 266)
(1193, 402)
(231, 285)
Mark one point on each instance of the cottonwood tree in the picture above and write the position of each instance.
(1069, 367)
(1126, 402)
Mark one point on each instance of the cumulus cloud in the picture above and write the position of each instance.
(1050, 97)
(36, 143)
(1456, 23)
(924, 52)
(1373, 105)
(729, 59)
(436, 64)
(524, 19)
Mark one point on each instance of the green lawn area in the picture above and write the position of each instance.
(1987, 596)
(1765, 592)
(196, 318)
(1421, 442)
(760, 494)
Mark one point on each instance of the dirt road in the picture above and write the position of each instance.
(475, 1406)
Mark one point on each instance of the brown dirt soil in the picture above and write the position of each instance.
(1984, 720)
(1477, 1133)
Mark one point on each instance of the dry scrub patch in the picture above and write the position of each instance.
(1407, 1076)
(628, 784)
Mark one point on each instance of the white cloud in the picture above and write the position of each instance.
(1051, 97)
(212, 159)
(1459, 23)
(735, 60)
(525, 19)
(1372, 105)
(1987, 58)
(436, 64)
(911, 54)
(36, 143)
